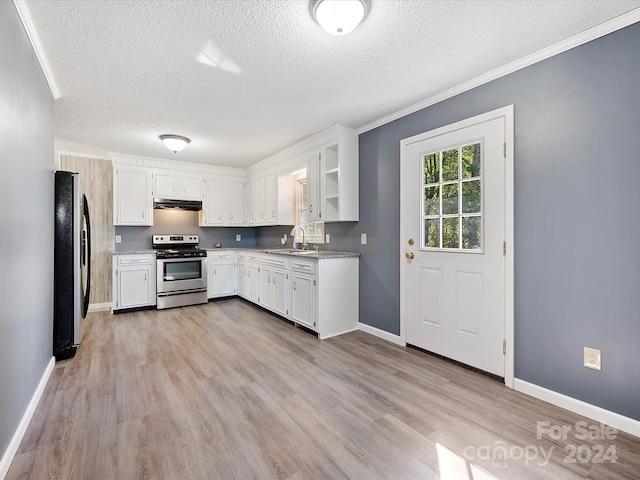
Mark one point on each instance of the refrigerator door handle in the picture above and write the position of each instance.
(87, 257)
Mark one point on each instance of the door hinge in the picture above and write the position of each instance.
(287, 276)
(504, 347)
(504, 150)
(504, 248)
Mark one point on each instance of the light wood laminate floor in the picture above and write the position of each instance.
(226, 390)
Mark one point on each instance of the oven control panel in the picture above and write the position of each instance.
(177, 240)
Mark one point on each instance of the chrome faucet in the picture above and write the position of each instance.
(304, 242)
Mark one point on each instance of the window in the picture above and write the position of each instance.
(452, 199)
(313, 231)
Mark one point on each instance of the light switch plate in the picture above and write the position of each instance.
(363, 238)
(327, 238)
(118, 238)
(238, 237)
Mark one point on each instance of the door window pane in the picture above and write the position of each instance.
(432, 201)
(450, 199)
(450, 237)
(471, 196)
(432, 233)
(450, 165)
(471, 161)
(471, 233)
(432, 168)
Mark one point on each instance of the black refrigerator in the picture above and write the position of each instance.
(71, 264)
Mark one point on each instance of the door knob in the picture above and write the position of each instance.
(409, 255)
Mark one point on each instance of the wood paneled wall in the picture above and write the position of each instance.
(97, 182)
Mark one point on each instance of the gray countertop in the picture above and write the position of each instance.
(321, 254)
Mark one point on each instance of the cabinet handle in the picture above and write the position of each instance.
(273, 214)
(144, 277)
(143, 214)
(220, 216)
(294, 285)
(274, 280)
(310, 208)
(268, 278)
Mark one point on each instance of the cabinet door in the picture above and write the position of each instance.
(221, 279)
(242, 279)
(265, 287)
(271, 198)
(302, 300)
(250, 194)
(235, 202)
(134, 287)
(165, 184)
(259, 201)
(279, 289)
(314, 187)
(253, 284)
(133, 204)
(191, 187)
(213, 213)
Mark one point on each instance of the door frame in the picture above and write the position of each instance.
(509, 302)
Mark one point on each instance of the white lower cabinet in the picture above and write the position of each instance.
(221, 273)
(303, 300)
(274, 279)
(248, 275)
(134, 280)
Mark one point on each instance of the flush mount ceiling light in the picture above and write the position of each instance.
(175, 143)
(338, 17)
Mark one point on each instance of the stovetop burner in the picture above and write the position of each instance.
(177, 246)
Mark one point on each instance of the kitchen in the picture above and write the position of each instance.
(545, 94)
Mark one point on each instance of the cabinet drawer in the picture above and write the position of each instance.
(220, 256)
(133, 260)
(302, 266)
(249, 257)
(273, 260)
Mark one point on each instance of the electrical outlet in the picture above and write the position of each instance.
(238, 238)
(593, 358)
(363, 238)
(118, 238)
(327, 238)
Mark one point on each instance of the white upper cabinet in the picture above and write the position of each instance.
(191, 186)
(235, 201)
(314, 186)
(212, 214)
(176, 185)
(223, 203)
(259, 200)
(250, 207)
(132, 200)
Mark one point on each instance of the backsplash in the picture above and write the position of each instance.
(177, 221)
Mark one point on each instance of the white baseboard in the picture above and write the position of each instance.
(100, 307)
(593, 412)
(376, 332)
(7, 458)
(339, 333)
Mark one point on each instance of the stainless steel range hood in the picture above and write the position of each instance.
(167, 203)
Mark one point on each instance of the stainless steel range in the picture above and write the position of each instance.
(181, 272)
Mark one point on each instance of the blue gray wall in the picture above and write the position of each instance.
(577, 195)
(26, 242)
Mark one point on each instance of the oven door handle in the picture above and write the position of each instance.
(169, 278)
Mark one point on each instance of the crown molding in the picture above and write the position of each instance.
(150, 162)
(34, 38)
(581, 38)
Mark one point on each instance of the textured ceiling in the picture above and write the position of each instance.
(246, 78)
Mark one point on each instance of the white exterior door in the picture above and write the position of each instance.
(452, 243)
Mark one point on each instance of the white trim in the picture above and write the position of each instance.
(376, 332)
(34, 38)
(588, 410)
(100, 307)
(7, 458)
(324, 337)
(581, 38)
(509, 317)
